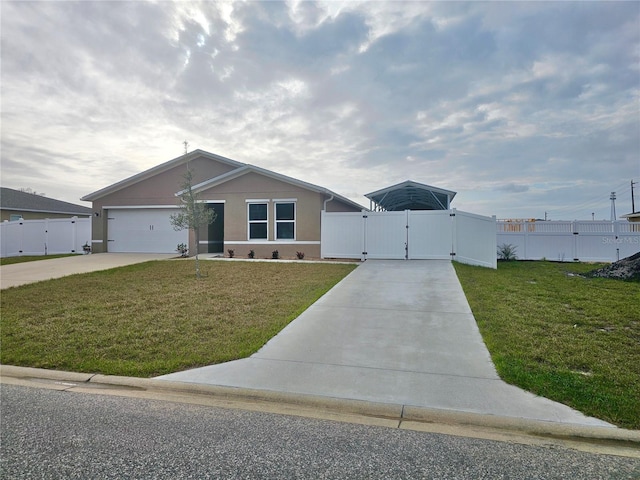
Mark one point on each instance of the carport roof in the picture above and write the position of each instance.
(411, 195)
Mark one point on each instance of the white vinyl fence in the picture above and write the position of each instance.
(584, 241)
(44, 237)
(411, 235)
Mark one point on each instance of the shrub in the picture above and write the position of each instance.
(300, 255)
(507, 252)
(251, 254)
(231, 252)
(182, 249)
(275, 254)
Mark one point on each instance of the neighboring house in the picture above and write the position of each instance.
(632, 217)
(257, 209)
(635, 219)
(16, 205)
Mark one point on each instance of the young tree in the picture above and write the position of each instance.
(193, 214)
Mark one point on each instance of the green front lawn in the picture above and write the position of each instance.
(156, 317)
(572, 339)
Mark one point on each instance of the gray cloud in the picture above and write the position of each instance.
(520, 107)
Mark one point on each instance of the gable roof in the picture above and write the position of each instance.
(246, 168)
(163, 167)
(17, 200)
(411, 195)
(239, 170)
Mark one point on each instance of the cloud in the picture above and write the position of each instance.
(492, 100)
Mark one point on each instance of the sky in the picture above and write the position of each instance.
(525, 109)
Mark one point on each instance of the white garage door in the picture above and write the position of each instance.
(143, 231)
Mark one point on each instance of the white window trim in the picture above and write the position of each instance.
(249, 221)
(276, 221)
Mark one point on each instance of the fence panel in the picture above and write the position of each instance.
(46, 236)
(342, 235)
(10, 238)
(475, 239)
(585, 241)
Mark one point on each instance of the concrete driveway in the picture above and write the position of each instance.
(30, 272)
(397, 332)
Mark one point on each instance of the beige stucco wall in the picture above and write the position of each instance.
(253, 186)
(160, 189)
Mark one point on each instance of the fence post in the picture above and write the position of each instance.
(454, 233)
(363, 219)
(74, 231)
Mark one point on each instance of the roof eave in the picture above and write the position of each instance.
(246, 168)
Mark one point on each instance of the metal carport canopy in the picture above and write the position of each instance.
(411, 195)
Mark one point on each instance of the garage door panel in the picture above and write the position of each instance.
(143, 231)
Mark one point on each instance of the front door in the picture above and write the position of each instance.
(216, 229)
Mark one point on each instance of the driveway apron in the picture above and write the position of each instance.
(29, 272)
(392, 331)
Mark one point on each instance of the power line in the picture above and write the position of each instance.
(621, 190)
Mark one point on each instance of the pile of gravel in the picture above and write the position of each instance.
(625, 269)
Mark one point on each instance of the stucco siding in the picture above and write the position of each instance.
(253, 186)
(156, 189)
(161, 188)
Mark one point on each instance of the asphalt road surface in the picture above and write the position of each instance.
(56, 434)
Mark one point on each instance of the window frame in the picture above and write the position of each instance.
(254, 222)
(293, 221)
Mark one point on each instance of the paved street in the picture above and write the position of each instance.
(56, 434)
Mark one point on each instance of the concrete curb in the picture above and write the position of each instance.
(405, 416)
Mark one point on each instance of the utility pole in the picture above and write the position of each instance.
(545, 216)
(633, 203)
(186, 147)
(613, 206)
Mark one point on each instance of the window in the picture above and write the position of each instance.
(15, 218)
(285, 221)
(258, 229)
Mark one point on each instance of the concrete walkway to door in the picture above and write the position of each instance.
(392, 331)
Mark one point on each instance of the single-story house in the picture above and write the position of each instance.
(257, 209)
(16, 205)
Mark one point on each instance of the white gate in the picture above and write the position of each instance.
(419, 235)
(430, 234)
(385, 234)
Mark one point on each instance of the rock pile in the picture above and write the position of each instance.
(625, 269)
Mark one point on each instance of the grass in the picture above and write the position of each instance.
(156, 317)
(572, 339)
(31, 258)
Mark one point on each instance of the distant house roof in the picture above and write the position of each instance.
(411, 195)
(632, 217)
(17, 200)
